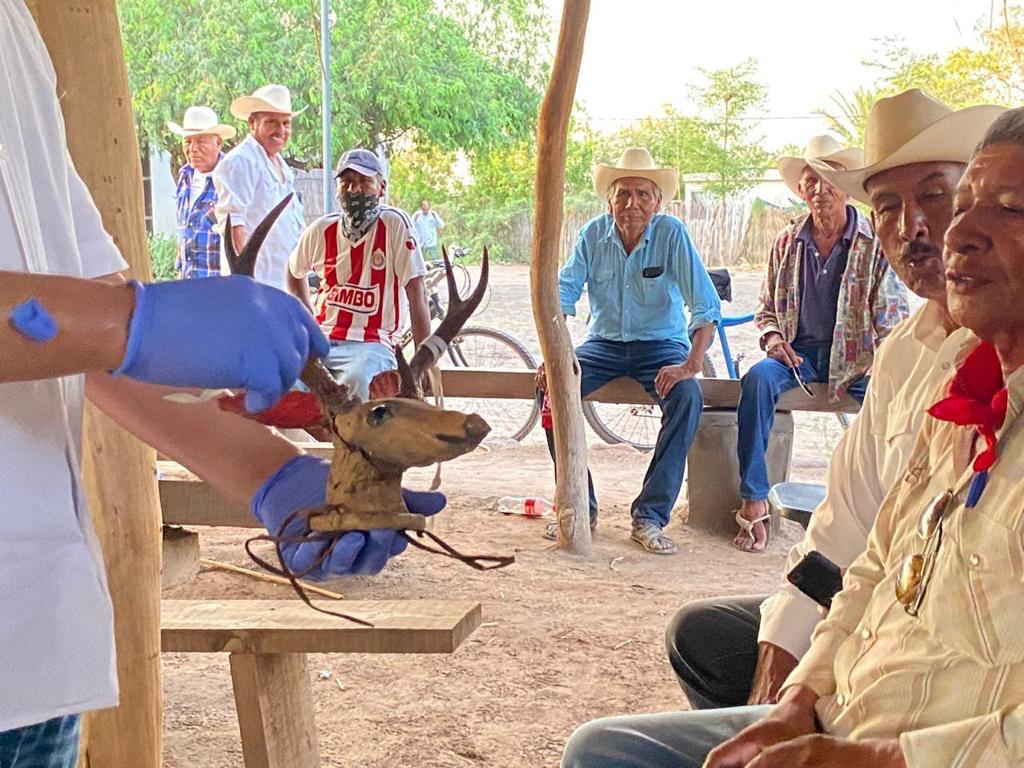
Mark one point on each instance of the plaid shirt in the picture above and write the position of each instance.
(872, 300)
(198, 244)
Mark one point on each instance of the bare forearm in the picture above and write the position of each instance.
(233, 454)
(299, 287)
(92, 326)
(699, 343)
(419, 314)
(238, 238)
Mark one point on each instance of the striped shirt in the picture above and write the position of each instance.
(948, 682)
(198, 243)
(362, 296)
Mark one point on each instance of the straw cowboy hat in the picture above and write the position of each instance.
(824, 149)
(199, 121)
(913, 127)
(269, 98)
(636, 163)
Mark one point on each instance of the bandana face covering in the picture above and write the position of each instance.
(359, 212)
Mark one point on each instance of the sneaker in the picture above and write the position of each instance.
(551, 529)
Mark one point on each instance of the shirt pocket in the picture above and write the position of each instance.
(654, 291)
(976, 605)
(601, 285)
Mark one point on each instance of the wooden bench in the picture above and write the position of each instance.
(268, 641)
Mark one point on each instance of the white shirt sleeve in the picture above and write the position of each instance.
(406, 253)
(234, 179)
(302, 260)
(840, 525)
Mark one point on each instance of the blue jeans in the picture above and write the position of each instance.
(759, 391)
(50, 744)
(602, 361)
(667, 740)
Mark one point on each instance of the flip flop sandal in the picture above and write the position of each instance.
(551, 529)
(651, 538)
(747, 526)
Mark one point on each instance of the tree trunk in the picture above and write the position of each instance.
(563, 370)
(84, 40)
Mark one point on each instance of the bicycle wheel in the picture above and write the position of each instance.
(636, 425)
(479, 347)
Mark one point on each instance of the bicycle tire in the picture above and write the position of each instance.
(636, 425)
(512, 419)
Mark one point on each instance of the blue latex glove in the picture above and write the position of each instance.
(221, 332)
(302, 483)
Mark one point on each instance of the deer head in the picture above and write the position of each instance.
(375, 441)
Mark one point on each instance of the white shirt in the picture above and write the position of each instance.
(910, 364)
(56, 621)
(362, 291)
(249, 184)
(427, 225)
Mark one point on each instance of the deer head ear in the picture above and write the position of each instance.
(384, 385)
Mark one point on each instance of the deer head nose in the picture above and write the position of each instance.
(475, 427)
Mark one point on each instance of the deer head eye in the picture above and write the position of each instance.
(378, 415)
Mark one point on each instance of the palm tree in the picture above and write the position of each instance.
(849, 116)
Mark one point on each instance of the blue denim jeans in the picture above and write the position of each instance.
(667, 740)
(600, 362)
(759, 391)
(50, 744)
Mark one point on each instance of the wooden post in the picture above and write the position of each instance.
(563, 371)
(84, 40)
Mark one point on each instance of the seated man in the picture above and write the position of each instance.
(714, 645)
(828, 299)
(921, 659)
(363, 256)
(641, 270)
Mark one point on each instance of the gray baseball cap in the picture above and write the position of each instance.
(361, 161)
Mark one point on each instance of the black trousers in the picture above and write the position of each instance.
(712, 646)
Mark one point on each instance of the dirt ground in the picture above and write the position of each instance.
(564, 639)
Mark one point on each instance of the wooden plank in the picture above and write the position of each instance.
(289, 626)
(275, 710)
(718, 393)
(186, 500)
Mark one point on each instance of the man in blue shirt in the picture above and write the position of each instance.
(641, 270)
(198, 245)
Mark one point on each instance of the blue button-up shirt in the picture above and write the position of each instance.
(199, 245)
(645, 295)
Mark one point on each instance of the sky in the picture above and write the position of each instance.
(640, 54)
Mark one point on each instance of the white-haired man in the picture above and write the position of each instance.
(202, 138)
(642, 273)
(254, 177)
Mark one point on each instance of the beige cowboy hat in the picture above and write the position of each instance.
(269, 98)
(636, 163)
(199, 121)
(913, 127)
(826, 150)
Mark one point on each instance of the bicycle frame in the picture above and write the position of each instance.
(731, 322)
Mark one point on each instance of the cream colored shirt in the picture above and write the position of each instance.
(950, 681)
(870, 457)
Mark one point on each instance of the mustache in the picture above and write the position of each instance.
(916, 249)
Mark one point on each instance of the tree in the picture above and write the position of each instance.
(400, 68)
(849, 117)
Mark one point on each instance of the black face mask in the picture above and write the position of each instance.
(359, 212)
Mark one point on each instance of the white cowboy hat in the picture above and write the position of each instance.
(823, 149)
(913, 127)
(636, 163)
(269, 98)
(199, 121)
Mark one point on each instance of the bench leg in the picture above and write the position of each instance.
(275, 710)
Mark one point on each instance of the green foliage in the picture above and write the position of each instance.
(848, 117)
(468, 77)
(162, 253)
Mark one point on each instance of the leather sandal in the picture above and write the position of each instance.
(653, 539)
(747, 526)
(551, 529)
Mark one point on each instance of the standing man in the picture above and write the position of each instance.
(730, 651)
(828, 299)
(254, 177)
(371, 275)
(427, 223)
(202, 137)
(643, 275)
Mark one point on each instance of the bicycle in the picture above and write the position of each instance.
(463, 279)
(481, 347)
(638, 425)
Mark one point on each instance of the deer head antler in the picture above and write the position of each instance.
(458, 313)
(244, 263)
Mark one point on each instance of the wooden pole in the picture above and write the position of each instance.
(84, 40)
(563, 371)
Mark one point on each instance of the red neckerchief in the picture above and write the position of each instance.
(977, 398)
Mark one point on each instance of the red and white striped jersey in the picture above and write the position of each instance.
(362, 284)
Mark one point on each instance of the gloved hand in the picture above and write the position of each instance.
(302, 483)
(220, 332)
